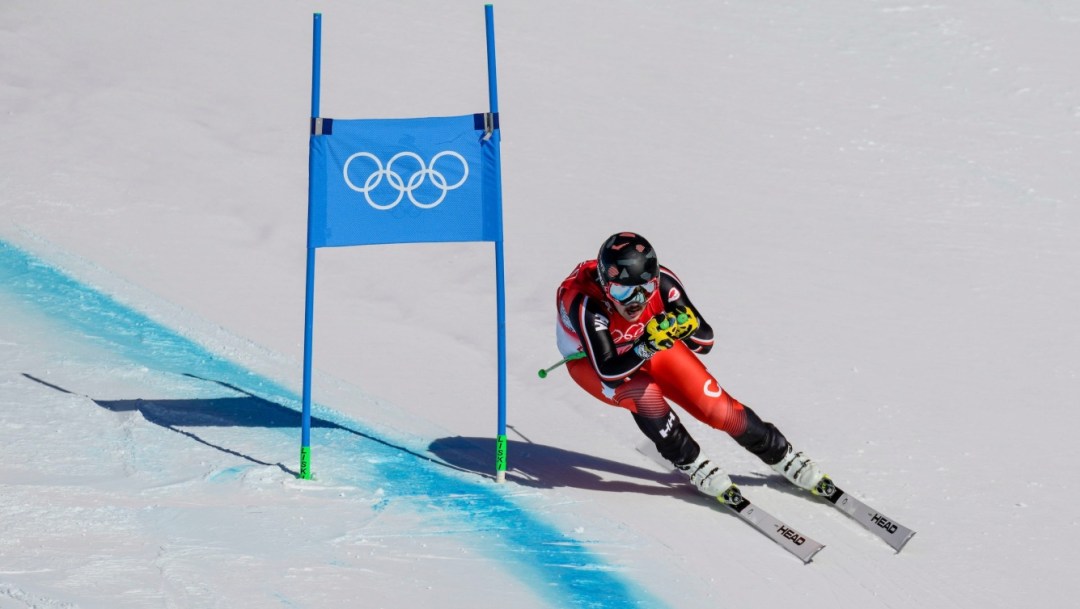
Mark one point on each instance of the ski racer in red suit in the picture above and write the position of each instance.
(641, 334)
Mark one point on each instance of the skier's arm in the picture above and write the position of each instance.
(591, 324)
(674, 295)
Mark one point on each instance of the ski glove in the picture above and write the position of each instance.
(664, 329)
(682, 323)
(669, 326)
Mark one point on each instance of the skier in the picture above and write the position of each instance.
(640, 334)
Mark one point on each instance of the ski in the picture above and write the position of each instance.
(890, 531)
(801, 546)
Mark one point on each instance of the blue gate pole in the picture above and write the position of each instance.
(500, 285)
(309, 291)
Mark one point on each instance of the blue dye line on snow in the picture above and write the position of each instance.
(559, 569)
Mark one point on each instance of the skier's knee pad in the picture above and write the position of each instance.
(762, 439)
(670, 437)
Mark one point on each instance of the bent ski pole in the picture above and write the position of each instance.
(569, 358)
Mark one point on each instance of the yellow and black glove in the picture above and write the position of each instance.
(664, 329)
(682, 323)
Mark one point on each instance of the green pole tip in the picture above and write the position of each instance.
(305, 463)
(542, 374)
(500, 453)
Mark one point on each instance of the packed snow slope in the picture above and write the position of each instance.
(874, 203)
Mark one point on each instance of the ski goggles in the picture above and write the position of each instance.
(628, 294)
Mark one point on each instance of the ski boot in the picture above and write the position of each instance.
(707, 476)
(799, 470)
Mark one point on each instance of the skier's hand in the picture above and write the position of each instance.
(655, 338)
(682, 323)
(658, 332)
(664, 329)
(669, 326)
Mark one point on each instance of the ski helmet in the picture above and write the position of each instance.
(627, 259)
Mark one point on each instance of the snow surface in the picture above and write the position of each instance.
(873, 202)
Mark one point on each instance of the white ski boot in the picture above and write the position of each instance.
(707, 476)
(799, 469)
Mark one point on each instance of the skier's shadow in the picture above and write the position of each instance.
(246, 410)
(532, 465)
(541, 466)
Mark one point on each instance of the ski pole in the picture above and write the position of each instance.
(569, 358)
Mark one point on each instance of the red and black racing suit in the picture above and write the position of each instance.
(615, 374)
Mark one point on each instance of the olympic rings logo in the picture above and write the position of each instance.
(404, 188)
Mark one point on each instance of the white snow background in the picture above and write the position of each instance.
(874, 203)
